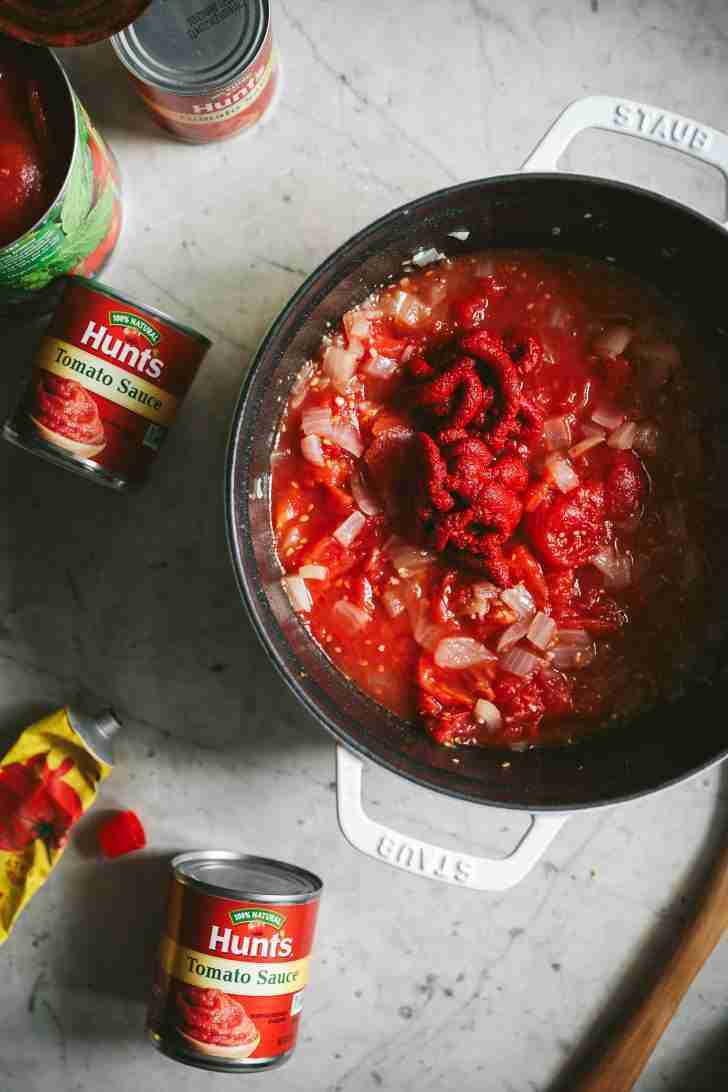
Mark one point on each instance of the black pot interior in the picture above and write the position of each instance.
(677, 250)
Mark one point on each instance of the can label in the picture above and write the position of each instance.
(107, 382)
(239, 105)
(80, 229)
(230, 977)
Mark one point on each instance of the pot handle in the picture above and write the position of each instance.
(637, 119)
(423, 859)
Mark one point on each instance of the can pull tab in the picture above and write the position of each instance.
(97, 731)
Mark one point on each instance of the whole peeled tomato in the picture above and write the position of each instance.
(567, 530)
(626, 486)
(23, 195)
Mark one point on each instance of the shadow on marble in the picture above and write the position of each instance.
(654, 952)
(705, 1068)
(107, 938)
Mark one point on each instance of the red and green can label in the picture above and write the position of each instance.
(230, 978)
(79, 230)
(107, 382)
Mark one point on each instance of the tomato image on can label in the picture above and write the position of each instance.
(231, 974)
(108, 379)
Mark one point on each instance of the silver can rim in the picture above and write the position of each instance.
(244, 894)
(128, 53)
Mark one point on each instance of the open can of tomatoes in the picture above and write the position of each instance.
(60, 204)
(233, 962)
(108, 379)
(205, 73)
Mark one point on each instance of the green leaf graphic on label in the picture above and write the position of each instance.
(265, 917)
(89, 235)
(78, 199)
(134, 322)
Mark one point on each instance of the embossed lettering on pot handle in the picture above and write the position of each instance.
(637, 119)
(423, 859)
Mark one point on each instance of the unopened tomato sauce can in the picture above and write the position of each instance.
(107, 381)
(206, 71)
(233, 962)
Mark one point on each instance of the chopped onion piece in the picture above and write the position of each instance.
(363, 495)
(462, 234)
(583, 446)
(404, 307)
(300, 387)
(392, 603)
(340, 366)
(623, 437)
(647, 439)
(312, 451)
(589, 429)
(429, 635)
(354, 617)
(426, 257)
(347, 436)
(512, 635)
(299, 595)
(562, 473)
(350, 529)
(615, 568)
(610, 418)
(407, 559)
(313, 572)
(483, 596)
(566, 657)
(461, 652)
(488, 714)
(520, 662)
(541, 631)
(381, 367)
(613, 341)
(520, 600)
(557, 433)
(357, 324)
(317, 421)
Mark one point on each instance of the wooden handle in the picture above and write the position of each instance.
(620, 1066)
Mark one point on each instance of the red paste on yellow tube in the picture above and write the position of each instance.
(48, 779)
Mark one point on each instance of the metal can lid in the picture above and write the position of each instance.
(238, 876)
(189, 46)
(67, 22)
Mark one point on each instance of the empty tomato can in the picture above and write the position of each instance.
(205, 72)
(107, 381)
(233, 961)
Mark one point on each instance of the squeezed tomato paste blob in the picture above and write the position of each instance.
(28, 166)
(65, 407)
(214, 1017)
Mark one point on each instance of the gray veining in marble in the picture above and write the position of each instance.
(131, 600)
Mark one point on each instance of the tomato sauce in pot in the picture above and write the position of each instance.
(486, 496)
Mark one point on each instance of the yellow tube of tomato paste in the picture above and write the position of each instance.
(48, 779)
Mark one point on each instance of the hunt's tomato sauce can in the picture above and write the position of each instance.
(107, 382)
(233, 962)
(206, 71)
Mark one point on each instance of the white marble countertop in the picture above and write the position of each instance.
(132, 600)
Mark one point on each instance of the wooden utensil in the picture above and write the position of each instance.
(620, 1066)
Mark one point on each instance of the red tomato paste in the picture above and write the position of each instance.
(234, 959)
(31, 168)
(64, 407)
(485, 495)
